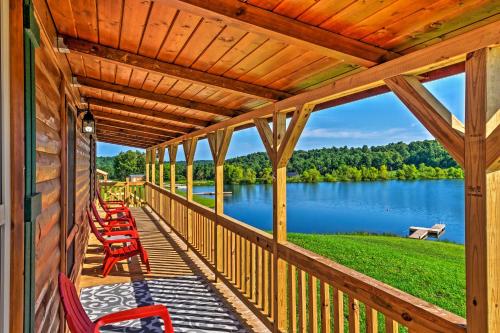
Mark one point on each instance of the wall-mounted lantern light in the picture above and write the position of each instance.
(88, 122)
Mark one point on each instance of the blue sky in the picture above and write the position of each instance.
(373, 121)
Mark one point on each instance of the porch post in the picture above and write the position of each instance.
(161, 156)
(219, 144)
(280, 143)
(147, 165)
(189, 150)
(153, 165)
(482, 190)
(172, 155)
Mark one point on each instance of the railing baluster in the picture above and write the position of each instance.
(338, 311)
(391, 326)
(353, 315)
(313, 304)
(302, 301)
(371, 320)
(292, 298)
(325, 307)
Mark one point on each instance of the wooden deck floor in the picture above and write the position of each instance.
(169, 260)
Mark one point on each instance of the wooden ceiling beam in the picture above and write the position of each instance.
(194, 122)
(121, 142)
(137, 127)
(155, 66)
(126, 137)
(132, 121)
(128, 131)
(251, 18)
(160, 98)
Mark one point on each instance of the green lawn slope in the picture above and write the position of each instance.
(433, 271)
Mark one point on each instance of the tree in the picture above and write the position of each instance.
(383, 173)
(311, 176)
(233, 174)
(127, 163)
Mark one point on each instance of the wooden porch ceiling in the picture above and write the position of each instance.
(171, 67)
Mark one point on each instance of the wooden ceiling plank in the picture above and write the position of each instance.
(154, 66)
(110, 141)
(252, 18)
(137, 127)
(138, 93)
(127, 137)
(121, 142)
(133, 121)
(148, 112)
(131, 132)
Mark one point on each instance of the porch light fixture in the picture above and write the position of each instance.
(88, 122)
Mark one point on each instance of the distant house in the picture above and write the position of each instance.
(292, 174)
(136, 178)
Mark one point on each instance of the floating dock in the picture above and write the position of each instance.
(212, 193)
(422, 233)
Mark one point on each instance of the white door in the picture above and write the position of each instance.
(4, 168)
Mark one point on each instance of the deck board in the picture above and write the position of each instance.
(169, 262)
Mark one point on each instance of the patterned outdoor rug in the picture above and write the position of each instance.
(191, 301)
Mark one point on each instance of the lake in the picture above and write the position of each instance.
(374, 207)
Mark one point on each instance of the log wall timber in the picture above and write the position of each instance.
(482, 191)
(155, 66)
(445, 53)
(50, 181)
(267, 23)
(166, 99)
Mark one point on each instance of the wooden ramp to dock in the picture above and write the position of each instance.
(422, 233)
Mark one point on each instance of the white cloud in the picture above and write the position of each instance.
(331, 133)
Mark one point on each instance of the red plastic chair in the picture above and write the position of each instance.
(109, 224)
(79, 322)
(113, 207)
(129, 246)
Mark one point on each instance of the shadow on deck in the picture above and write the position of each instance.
(178, 280)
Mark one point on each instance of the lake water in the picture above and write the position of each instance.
(374, 207)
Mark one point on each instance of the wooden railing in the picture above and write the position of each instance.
(322, 295)
(130, 192)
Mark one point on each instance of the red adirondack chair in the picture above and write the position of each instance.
(79, 322)
(109, 224)
(119, 245)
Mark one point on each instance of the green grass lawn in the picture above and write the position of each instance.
(207, 202)
(433, 271)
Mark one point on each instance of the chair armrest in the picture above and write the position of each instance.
(131, 233)
(137, 313)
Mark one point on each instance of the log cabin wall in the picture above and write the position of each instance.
(53, 239)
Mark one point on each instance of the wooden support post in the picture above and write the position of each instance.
(280, 143)
(147, 164)
(482, 189)
(153, 165)
(219, 144)
(189, 150)
(172, 155)
(161, 157)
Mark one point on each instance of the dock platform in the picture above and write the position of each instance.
(422, 233)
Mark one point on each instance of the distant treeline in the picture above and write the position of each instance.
(417, 160)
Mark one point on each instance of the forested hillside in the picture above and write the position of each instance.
(417, 160)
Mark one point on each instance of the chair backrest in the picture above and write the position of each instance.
(77, 318)
(95, 212)
(103, 203)
(94, 229)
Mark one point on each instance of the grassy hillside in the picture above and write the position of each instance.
(433, 271)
